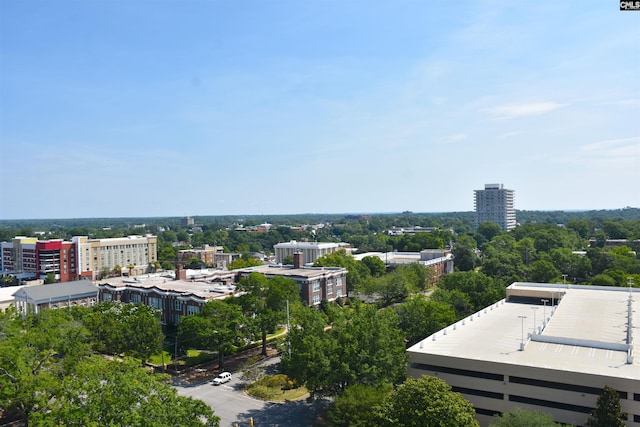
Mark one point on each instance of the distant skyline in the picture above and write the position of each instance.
(162, 108)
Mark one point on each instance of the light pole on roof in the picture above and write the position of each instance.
(522, 337)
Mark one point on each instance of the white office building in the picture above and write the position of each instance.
(311, 251)
(495, 204)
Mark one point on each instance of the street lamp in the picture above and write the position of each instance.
(564, 278)
(534, 318)
(544, 320)
(522, 337)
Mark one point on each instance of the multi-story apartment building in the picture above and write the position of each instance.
(495, 204)
(30, 258)
(132, 254)
(19, 257)
(57, 257)
(310, 250)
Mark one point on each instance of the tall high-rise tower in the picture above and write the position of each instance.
(495, 204)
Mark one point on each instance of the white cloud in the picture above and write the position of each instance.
(514, 111)
(452, 138)
(629, 102)
(614, 147)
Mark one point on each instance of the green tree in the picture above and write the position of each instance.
(48, 376)
(265, 301)
(603, 280)
(419, 317)
(488, 230)
(375, 265)
(608, 412)
(244, 262)
(117, 270)
(357, 272)
(194, 263)
(8, 280)
(481, 291)
(353, 407)
(109, 393)
(502, 261)
(363, 346)
(288, 260)
(36, 352)
(543, 271)
(50, 278)
(464, 252)
(417, 276)
(426, 402)
(393, 287)
(129, 329)
(217, 327)
(518, 417)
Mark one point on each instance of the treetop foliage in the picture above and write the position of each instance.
(50, 373)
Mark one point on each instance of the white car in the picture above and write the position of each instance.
(224, 377)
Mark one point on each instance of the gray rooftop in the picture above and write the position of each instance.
(56, 291)
(585, 332)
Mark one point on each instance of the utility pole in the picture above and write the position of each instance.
(288, 331)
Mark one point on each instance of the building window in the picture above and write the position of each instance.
(329, 288)
(193, 309)
(155, 303)
(339, 292)
(106, 297)
(339, 281)
(316, 286)
(316, 299)
(135, 298)
(177, 305)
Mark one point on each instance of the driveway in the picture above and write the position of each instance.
(234, 406)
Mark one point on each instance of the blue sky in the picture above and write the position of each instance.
(171, 108)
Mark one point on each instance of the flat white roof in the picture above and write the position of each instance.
(6, 293)
(586, 332)
(306, 245)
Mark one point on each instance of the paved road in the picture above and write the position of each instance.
(233, 405)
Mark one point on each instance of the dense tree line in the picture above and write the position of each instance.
(54, 370)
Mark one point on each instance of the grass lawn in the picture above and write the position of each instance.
(156, 359)
(194, 357)
(276, 388)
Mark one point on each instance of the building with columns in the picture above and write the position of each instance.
(310, 250)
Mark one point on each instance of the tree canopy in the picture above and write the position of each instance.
(265, 300)
(426, 402)
(217, 327)
(608, 412)
(50, 374)
(518, 417)
(363, 345)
